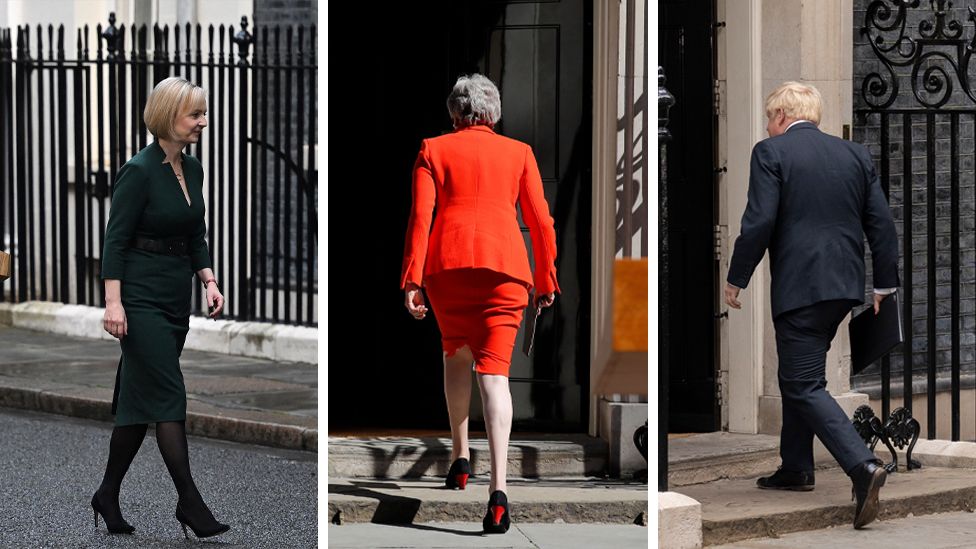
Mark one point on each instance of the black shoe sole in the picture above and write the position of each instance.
(489, 528)
(871, 504)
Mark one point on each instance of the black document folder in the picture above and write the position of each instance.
(531, 315)
(873, 336)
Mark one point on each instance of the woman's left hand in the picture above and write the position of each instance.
(545, 300)
(215, 300)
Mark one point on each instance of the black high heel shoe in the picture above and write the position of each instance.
(457, 476)
(208, 531)
(113, 528)
(496, 519)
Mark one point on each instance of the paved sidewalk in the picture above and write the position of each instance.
(233, 398)
(942, 531)
(457, 535)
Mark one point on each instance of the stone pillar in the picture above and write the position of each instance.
(679, 521)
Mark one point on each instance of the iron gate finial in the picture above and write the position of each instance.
(664, 102)
(243, 39)
(111, 36)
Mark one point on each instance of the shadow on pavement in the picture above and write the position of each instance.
(477, 533)
(394, 510)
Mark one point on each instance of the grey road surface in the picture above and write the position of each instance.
(50, 466)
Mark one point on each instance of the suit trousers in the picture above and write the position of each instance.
(803, 338)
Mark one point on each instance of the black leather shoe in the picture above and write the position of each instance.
(868, 478)
(787, 480)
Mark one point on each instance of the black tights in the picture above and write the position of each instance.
(171, 439)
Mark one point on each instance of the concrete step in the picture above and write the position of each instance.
(529, 456)
(707, 457)
(734, 510)
(570, 500)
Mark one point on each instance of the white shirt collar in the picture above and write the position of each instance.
(797, 122)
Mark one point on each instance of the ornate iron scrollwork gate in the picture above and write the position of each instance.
(917, 110)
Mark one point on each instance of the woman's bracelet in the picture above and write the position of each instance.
(209, 280)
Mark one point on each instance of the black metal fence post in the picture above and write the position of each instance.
(21, 182)
(664, 102)
(81, 194)
(5, 138)
(243, 41)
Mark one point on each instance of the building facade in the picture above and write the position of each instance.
(724, 57)
(573, 86)
(894, 76)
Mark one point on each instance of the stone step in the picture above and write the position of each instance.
(570, 500)
(529, 456)
(734, 510)
(707, 457)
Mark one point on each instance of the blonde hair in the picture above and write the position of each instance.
(796, 100)
(169, 99)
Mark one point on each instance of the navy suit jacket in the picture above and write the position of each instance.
(812, 197)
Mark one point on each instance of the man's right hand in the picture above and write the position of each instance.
(731, 296)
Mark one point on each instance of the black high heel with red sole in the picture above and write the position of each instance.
(496, 519)
(458, 474)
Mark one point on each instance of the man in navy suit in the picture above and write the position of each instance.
(812, 198)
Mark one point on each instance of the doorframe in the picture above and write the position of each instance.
(741, 335)
(606, 35)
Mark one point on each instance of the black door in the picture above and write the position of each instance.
(387, 91)
(686, 53)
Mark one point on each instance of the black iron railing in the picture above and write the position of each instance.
(67, 125)
(911, 109)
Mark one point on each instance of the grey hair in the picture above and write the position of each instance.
(474, 100)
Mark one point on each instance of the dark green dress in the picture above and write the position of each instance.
(156, 288)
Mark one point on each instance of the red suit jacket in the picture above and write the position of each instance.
(475, 177)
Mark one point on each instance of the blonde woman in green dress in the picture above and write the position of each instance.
(154, 245)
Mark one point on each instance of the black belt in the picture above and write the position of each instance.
(170, 246)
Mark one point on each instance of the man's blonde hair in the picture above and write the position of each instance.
(169, 99)
(796, 100)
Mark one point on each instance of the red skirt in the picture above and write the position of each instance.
(479, 308)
